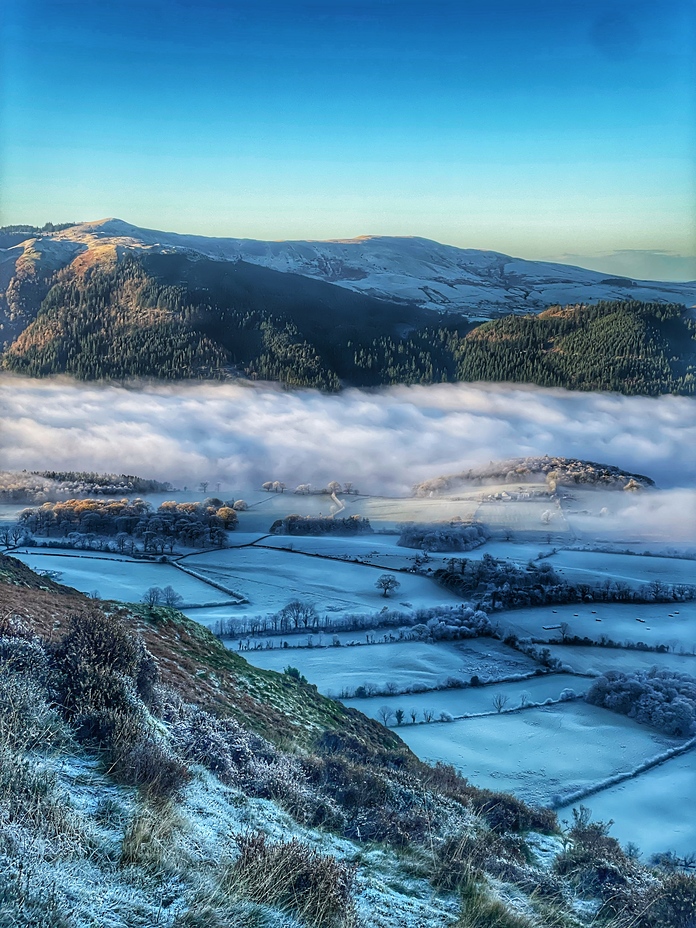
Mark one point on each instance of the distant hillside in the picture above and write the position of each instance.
(173, 317)
(555, 471)
(42, 486)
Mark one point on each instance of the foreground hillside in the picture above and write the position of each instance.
(148, 776)
(111, 316)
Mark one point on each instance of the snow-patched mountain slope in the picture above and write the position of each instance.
(439, 277)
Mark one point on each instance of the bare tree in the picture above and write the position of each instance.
(152, 596)
(387, 584)
(203, 486)
(414, 715)
(428, 715)
(564, 629)
(499, 702)
(385, 714)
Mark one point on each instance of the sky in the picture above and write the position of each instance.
(562, 130)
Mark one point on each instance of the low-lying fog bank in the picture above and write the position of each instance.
(384, 441)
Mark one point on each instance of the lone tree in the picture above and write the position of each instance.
(385, 714)
(499, 702)
(387, 584)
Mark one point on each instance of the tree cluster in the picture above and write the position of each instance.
(40, 486)
(664, 699)
(443, 536)
(502, 584)
(81, 520)
(317, 525)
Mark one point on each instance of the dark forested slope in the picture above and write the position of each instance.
(172, 317)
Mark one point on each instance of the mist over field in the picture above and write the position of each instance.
(384, 441)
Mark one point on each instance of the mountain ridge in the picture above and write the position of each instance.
(438, 277)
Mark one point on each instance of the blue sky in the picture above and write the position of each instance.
(562, 130)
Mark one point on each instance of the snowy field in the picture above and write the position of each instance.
(121, 579)
(661, 796)
(672, 624)
(474, 700)
(538, 753)
(593, 567)
(599, 660)
(401, 663)
(269, 579)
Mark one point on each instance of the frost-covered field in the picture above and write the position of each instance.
(653, 810)
(598, 660)
(268, 579)
(126, 580)
(538, 518)
(475, 699)
(634, 569)
(671, 624)
(401, 663)
(539, 753)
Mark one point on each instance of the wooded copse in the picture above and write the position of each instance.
(79, 522)
(321, 525)
(443, 536)
(665, 699)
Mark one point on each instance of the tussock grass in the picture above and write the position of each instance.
(481, 910)
(293, 877)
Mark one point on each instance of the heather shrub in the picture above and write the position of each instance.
(100, 664)
(152, 765)
(26, 719)
(19, 654)
(593, 860)
(501, 811)
(673, 903)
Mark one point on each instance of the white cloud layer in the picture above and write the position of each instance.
(385, 441)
